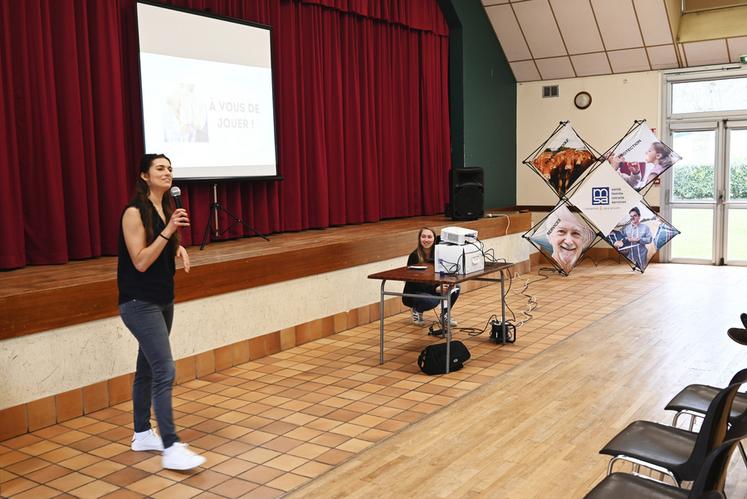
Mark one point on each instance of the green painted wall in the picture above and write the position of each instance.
(483, 101)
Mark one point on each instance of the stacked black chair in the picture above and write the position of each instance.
(739, 334)
(676, 452)
(709, 484)
(693, 401)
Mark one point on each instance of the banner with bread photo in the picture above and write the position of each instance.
(562, 159)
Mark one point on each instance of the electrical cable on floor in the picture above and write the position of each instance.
(475, 331)
(532, 302)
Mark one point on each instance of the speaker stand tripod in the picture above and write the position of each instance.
(215, 208)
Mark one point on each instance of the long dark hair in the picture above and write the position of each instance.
(141, 201)
(423, 254)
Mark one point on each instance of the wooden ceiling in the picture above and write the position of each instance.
(554, 39)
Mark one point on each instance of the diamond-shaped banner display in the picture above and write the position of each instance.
(640, 234)
(562, 159)
(563, 237)
(604, 197)
(640, 157)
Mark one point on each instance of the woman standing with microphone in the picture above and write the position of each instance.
(148, 246)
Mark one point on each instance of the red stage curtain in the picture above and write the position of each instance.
(361, 90)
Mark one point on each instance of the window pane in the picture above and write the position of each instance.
(693, 176)
(713, 95)
(738, 165)
(736, 246)
(696, 238)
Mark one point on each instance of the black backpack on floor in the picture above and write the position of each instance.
(432, 359)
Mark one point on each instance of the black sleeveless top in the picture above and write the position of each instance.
(155, 285)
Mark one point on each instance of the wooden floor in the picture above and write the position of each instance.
(535, 431)
(323, 419)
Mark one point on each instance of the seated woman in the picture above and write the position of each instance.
(430, 294)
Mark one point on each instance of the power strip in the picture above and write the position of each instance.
(496, 332)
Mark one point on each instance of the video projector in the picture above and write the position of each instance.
(458, 235)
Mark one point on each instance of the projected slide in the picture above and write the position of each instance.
(206, 115)
(207, 94)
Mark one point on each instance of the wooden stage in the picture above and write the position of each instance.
(39, 298)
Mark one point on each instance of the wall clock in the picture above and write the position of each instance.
(582, 100)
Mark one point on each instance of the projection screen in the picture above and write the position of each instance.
(207, 93)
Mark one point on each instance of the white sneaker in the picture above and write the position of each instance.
(179, 457)
(417, 318)
(452, 321)
(146, 440)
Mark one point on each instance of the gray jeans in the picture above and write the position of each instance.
(151, 324)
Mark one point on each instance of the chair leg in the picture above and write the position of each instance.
(636, 465)
(692, 421)
(610, 465)
(676, 418)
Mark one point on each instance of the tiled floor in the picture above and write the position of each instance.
(271, 425)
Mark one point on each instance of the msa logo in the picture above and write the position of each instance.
(600, 196)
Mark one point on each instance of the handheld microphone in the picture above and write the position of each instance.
(176, 193)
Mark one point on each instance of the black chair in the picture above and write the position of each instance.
(693, 401)
(672, 451)
(739, 334)
(709, 483)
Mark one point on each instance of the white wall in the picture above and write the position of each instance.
(55, 361)
(617, 100)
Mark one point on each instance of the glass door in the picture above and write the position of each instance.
(735, 204)
(707, 193)
(693, 198)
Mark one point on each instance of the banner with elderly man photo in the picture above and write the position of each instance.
(563, 237)
(640, 234)
(562, 159)
(640, 157)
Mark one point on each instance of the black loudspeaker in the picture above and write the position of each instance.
(467, 194)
